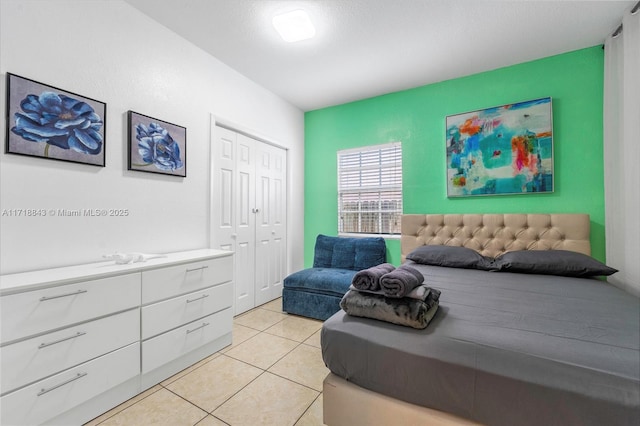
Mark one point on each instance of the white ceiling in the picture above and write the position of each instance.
(365, 48)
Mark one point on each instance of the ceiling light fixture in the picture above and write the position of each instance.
(294, 26)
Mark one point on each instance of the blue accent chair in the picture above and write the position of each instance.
(316, 292)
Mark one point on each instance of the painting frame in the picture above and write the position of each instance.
(156, 146)
(45, 121)
(501, 150)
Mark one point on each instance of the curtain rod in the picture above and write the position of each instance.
(618, 30)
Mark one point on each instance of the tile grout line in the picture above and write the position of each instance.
(242, 388)
(307, 409)
(128, 406)
(275, 362)
(226, 400)
(190, 402)
(238, 391)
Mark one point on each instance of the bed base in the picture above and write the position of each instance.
(346, 404)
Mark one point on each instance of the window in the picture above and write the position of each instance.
(370, 189)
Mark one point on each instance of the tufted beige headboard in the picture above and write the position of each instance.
(494, 234)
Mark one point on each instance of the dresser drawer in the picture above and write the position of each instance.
(38, 311)
(30, 360)
(162, 316)
(48, 398)
(164, 283)
(171, 345)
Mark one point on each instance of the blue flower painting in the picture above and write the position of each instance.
(159, 146)
(61, 121)
(54, 124)
(501, 150)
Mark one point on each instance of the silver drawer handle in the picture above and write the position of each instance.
(78, 376)
(204, 324)
(44, 298)
(197, 269)
(197, 298)
(78, 334)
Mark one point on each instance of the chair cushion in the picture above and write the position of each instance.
(323, 251)
(370, 252)
(349, 253)
(321, 280)
(344, 254)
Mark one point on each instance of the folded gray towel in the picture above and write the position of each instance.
(405, 311)
(422, 292)
(401, 281)
(369, 279)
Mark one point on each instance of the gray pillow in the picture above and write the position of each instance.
(453, 257)
(552, 262)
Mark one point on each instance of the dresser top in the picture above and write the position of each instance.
(23, 281)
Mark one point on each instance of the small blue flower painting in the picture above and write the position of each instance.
(503, 150)
(156, 146)
(52, 123)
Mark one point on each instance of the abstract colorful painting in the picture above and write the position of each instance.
(501, 150)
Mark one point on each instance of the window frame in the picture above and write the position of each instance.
(391, 170)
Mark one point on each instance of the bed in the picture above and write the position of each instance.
(504, 348)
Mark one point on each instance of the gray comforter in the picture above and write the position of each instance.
(503, 349)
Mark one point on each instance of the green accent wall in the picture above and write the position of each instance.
(416, 117)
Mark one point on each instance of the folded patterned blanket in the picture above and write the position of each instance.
(405, 311)
(422, 292)
(401, 281)
(369, 279)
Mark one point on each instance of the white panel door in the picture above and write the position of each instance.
(270, 222)
(233, 220)
(223, 189)
(245, 225)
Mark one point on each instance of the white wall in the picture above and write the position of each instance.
(109, 51)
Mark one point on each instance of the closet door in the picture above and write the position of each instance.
(223, 189)
(233, 220)
(249, 182)
(245, 225)
(271, 172)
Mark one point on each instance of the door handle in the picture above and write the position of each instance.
(255, 210)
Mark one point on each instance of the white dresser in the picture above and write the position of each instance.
(76, 341)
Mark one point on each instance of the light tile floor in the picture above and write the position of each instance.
(271, 375)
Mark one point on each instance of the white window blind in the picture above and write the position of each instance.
(370, 189)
